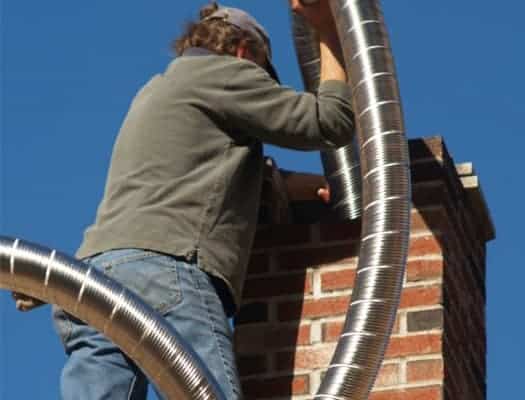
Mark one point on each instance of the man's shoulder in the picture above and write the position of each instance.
(217, 70)
(207, 65)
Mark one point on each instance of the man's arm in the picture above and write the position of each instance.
(331, 58)
(257, 106)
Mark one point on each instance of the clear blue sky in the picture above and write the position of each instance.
(70, 69)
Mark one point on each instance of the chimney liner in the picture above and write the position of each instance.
(384, 177)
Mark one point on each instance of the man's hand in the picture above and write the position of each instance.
(25, 303)
(317, 14)
(324, 194)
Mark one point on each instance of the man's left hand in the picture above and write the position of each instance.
(26, 303)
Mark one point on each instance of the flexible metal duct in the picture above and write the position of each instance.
(341, 166)
(386, 192)
(124, 318)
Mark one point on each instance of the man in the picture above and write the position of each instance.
(178, 215)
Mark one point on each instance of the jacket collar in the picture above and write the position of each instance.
(197, 51)
(201, 51)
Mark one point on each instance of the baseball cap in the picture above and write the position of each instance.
(242, 20)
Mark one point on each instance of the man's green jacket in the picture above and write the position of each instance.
(187, 166)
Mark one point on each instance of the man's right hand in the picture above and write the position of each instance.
(318, 14)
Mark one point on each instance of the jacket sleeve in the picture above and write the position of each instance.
(257, 106)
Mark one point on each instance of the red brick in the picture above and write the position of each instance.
(430, 170)
(424, 269)
(249, 339)
(335, 280)
(424, 246)
(288, 336)
(410, 297)
(278, 286)
(304, 359)
(332, 330)
(420, 296)
(426, 195)
(295, 310)
(424, 320)
(275, 387)
(430, 393)
(425, 370)
(257, 339)
(252, 365)
(430, 219)
(252, 313)
(268, 236)
(316, 257)
(397, 325)
(414, 345)
(350, 230)
(388, 375)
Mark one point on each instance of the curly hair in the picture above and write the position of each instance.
(218, 36)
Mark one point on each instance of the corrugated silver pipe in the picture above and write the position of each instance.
(386, 195)
(341, 166)
(124, 318)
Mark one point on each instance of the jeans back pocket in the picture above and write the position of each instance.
(150, 275)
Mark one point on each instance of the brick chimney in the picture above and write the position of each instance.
(302, 272)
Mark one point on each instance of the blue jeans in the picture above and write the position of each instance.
(184, 294)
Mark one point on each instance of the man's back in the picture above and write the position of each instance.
(186, 170)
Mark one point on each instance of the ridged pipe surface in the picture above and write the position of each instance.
(386, 193)
(123, 317)
(341, 166)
